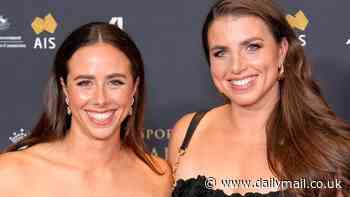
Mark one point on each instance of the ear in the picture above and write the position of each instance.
(284, 45)
(136, 85)
(64, 87)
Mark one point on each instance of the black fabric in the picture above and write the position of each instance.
(196, 187)
(193, 125)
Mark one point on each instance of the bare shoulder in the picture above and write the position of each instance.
(159, 179)
(177, 136)
(179, 131)
(12, 172)
(12, 161)
(20, 162)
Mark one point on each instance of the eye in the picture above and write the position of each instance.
(84, 83)
(253, 47)
(219, 53)
(116, 82)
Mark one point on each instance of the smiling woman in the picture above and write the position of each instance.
(90, 136)
(275, 125)
(100, 90)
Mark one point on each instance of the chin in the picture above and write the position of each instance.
(244, 100)
(102, 132)
(99, 134)
(243, 103)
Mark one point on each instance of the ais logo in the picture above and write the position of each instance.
(300, 22)
(47, 25)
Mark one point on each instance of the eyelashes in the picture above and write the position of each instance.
(84, 83)
(219, 53)
(116, 82)
(253, 47)
(249, 48)
(111, 83)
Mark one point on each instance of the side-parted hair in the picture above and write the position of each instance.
(54, 122)
(305, 139)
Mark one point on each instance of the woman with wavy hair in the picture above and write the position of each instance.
(276, 131)
(88, 141)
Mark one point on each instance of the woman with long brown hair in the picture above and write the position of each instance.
(276, 132)
(88, 142)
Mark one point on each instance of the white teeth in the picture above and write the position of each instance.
(242, 82)
(100, 116)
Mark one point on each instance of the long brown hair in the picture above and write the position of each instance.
(54, 122)
(305, 139)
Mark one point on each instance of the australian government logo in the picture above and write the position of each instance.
(299, 22)
(44, 26)
(9, 41)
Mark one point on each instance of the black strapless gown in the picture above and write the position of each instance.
(195, 187)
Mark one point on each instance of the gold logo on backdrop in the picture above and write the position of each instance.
(298, 21)
(47, 24)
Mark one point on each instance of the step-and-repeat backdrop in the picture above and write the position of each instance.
(168, 33)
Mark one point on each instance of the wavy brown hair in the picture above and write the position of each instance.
(305, 139)
(54, 122)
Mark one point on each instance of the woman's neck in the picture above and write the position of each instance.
(89, 153)
(250, 121)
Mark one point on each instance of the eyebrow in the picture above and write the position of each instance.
(218, 47)
(243, 43)
(113, 75)
(247, 41)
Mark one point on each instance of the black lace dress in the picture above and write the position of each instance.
(196, 187)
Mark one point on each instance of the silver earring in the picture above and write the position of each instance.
(69, 111)
(132, 102)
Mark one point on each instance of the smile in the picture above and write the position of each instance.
(243, 83)
(101, 118)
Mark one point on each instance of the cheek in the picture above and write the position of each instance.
(214, 74)
(265, 64)
(270, 61)
(79, 97)
(122, 96)
(271, 66)
(217, 71)
(217, 75)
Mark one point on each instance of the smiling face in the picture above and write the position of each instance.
(244, 59)
(100, 89)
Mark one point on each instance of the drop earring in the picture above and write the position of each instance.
(69, 111)
(132, 102)
(280, 71)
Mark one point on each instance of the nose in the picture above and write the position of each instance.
(100, 95)
(237, 64)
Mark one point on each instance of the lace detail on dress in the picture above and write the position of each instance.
(195, 187)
